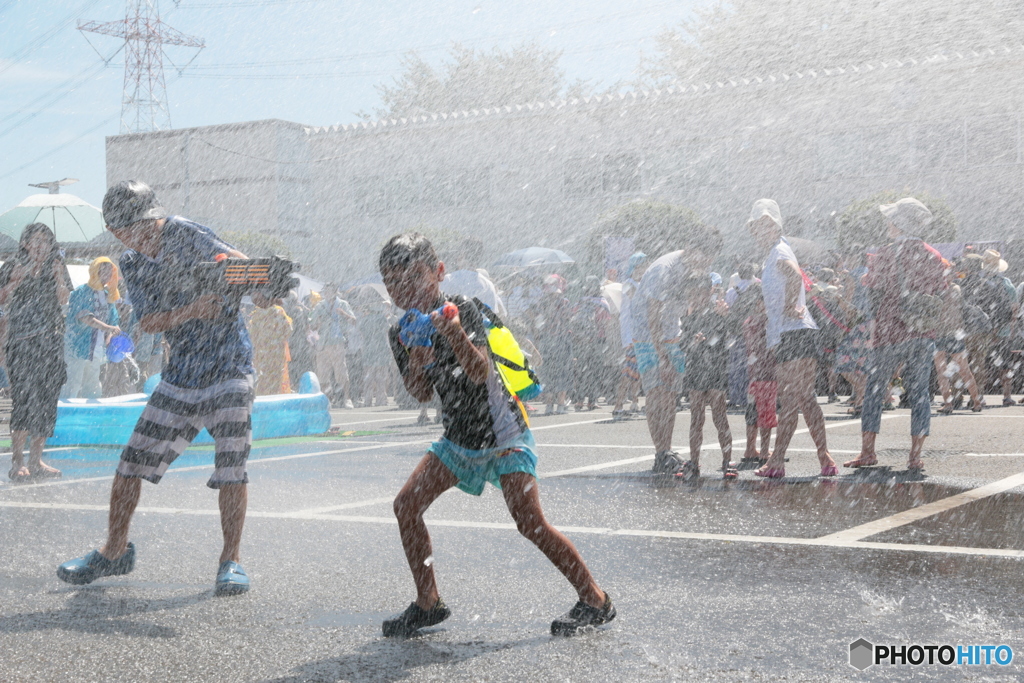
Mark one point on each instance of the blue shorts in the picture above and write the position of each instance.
(647, 364)
(475, 468)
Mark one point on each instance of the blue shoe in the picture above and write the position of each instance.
(231, 579)
(83, 570)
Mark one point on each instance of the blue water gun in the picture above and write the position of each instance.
(416, 328)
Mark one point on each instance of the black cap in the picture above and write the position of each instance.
(129, 202)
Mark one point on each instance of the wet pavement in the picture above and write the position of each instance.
(749, 580)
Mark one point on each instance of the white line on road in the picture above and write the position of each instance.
(823, 542)
(912, 515)
(735, 444)
(994, 455)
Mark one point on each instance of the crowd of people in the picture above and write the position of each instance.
(883, 319)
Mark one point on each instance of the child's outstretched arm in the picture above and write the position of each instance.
(475, 360)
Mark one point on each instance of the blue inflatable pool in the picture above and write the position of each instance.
(110, 421)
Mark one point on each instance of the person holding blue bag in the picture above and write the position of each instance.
(92, 320)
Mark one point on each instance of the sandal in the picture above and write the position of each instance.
(858, 462)
(688, 472)
(915, 466)
(770, 472)
(946, 409)
(978, 406)
(729, 470)
(19, 475)
(45, 472)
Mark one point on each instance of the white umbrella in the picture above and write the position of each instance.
(72, 219)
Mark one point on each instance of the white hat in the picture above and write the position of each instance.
(765, 207)
(908, 214)
(993, 261)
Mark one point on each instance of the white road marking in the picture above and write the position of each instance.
(737, 444)
(912, 515)
(822, 542)
(345, 506)
(370, 422)
(994, 455)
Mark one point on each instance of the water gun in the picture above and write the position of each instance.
(416, 328)
(235, 278)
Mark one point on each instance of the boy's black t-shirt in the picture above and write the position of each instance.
(711, 355)
(476, 416)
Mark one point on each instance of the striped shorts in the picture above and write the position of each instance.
(175, 415)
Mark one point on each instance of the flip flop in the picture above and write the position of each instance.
(830, 471)
(45, 473)
(860, 463)
(771, 473)
(17, 477)
(730, 473)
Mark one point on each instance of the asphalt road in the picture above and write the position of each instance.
(749, 580)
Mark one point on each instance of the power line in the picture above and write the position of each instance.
(53, 96)
(42, 38)
(60, 147)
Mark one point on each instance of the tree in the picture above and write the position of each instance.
(656, 228)
(471, 79)
(862, 223)
(743, 38)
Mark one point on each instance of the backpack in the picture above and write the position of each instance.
(513, 365)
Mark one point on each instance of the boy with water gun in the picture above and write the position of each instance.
(486, 438)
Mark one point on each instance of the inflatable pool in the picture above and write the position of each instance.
(110, 421)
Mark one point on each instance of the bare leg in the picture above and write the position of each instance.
(967, 376)
(941, 368)
(697, 399)
(523, 500)
(719, 415)
(233, 500)
(35, 456)
(18, 439)
(661, 417)
(425, 485)
(766, 439)
(750, 451)
(796, 393)
(124, 497)
(867, 451)
(916, 447)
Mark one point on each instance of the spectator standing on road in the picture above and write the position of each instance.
(656, 309)
(470, 280)
(373, 328)
(270, 329)
(589, 328)
(207, 382)
(904, 278)
(792, 335)
(329, 319)
(762, 392)
(33, 287)
(301, 351)
(739, 284)
(998, 298)
(950, 350)
(703, 339)
(92, 320)
(629, 379)
(551, 335)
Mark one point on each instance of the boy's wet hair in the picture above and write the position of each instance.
(402, 251)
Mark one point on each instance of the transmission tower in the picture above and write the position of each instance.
(144, 102)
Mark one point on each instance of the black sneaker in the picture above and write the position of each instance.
(414, 618)
(582, 616)
(667, 462)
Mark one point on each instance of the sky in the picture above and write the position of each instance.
(311, 61)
